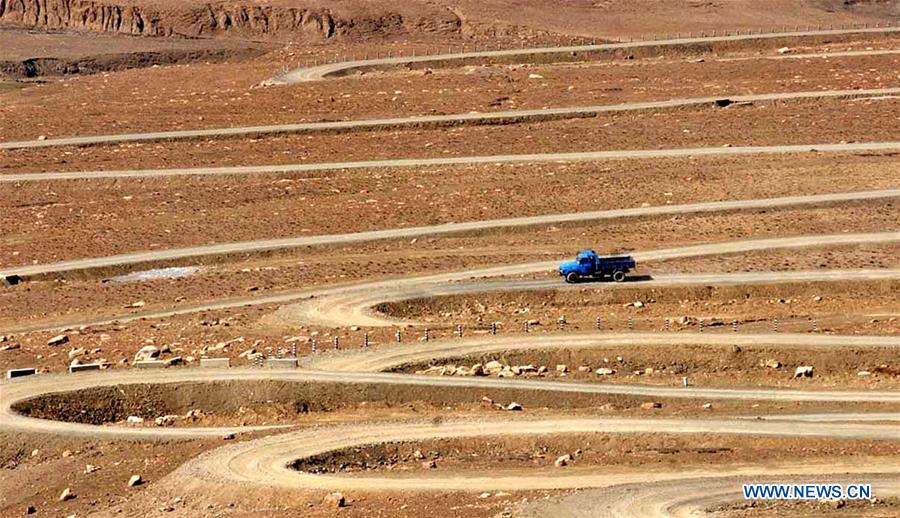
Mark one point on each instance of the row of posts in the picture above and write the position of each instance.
(458, 332)
(701, 34)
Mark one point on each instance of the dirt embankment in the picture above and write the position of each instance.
(306, 21)
(52, 66)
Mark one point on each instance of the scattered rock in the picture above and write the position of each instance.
(90, 468)
(834, 504)
(135, 480)
(514, 407)
(477, 370)
(707, 406)
(493, 366)
(563, 460)
(804, 371)
(535, 76)
(650, 405)
(429, 464)
(562, 368)
(334, 500)
(147, 352)
(138, 304)
(228, 437)
(603, 371)
(863, 373)
(67, 494)
(773, 364)
(166, 420)
(74, 353)
(584, 368)
(488, 402)
(133, 419)
(784, 50)
(67, 453)
(58, 340)
(9, 347)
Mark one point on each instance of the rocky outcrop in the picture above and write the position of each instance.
(245, 19)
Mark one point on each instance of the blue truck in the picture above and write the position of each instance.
(589, 265)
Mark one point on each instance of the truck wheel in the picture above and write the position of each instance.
(618, 276)
(571, 277)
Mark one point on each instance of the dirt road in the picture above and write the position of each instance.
(317, 73)
(457, 119)
(587, 156)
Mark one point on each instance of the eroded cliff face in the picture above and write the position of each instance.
(239, 19)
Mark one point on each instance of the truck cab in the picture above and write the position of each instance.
(589, 265)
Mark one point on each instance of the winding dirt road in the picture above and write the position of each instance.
(320, 72)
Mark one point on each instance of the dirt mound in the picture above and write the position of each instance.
(306, 21)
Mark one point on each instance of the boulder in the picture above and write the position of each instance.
(562, 368)
(584, 368)
(804, 371)
(166, 420)
(90, 468)
(477, 370)
(334, 500)
(147, 352)
(603, 371)
(429, 464)
(506, 373)
(67, 494)
(773, 364)
(135, 480)
(133, 419)
(58, 340)
(514, 407)
(563, 460)
(493, 366)
(650, 405)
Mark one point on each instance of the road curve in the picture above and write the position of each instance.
(267, 460)
(240, 247)
(317, 73)
(456, 119)
(587, 156)
(23, 389)
(352, 305)
(693, 496)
